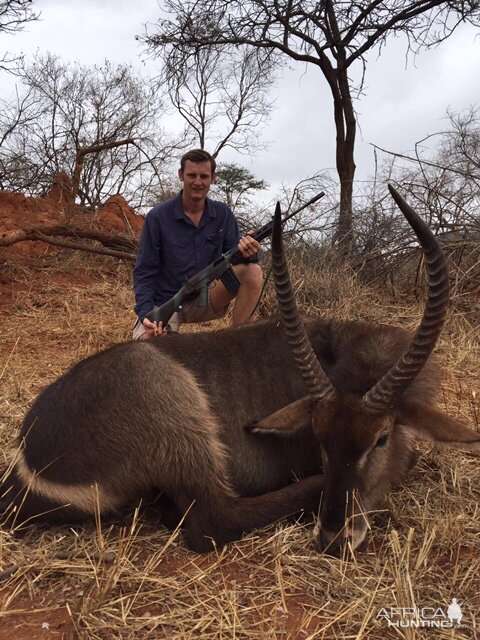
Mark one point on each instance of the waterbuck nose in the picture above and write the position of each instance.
(329, 542)
(333, 541)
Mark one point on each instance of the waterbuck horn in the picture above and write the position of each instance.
(386, 391)
(316, 381)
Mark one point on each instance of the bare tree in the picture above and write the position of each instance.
(442, 181)
(100, 124)
(222, 95)
(14, 14)
(334, 36)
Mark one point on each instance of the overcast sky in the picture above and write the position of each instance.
(402, 104)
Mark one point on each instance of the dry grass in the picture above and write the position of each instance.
(134, 579)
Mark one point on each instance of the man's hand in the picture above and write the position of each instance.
(153, 328)
(248, 246)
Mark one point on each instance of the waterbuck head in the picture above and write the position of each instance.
(366, 440)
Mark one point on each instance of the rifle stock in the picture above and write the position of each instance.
(215, 270)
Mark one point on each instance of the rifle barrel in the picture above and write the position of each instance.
(266, 230)
(304, 206)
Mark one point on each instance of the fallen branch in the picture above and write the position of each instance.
(84, 247)
(47, 233)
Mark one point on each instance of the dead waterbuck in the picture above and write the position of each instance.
(168, 416)
(364, 403)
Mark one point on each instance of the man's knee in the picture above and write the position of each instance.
(250, 275)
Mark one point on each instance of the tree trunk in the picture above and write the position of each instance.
(346, 128)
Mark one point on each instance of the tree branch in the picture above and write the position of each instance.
(47, 232)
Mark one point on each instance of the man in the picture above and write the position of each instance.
(180, 237)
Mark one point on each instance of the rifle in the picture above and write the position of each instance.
(219, 269)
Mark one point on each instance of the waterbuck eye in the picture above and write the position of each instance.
(382, 441)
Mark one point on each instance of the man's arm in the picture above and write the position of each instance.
(247, 246)
(147, 266)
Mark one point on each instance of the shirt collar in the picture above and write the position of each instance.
(180, 215)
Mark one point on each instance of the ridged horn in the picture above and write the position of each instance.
(387, 391)
(316, 381)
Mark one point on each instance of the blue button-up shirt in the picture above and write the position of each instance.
(173, 249)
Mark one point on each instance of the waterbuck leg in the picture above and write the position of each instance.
(209, 525)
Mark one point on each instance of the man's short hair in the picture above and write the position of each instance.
(198, 155)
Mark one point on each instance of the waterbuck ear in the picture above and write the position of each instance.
(285, 421)
(431, 424)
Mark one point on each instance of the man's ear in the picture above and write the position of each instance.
(431, 424)
(214, 178)
(285, 421)
(180, 175)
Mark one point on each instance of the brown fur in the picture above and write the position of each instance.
(128, 423)
(365, 452)
(168, 416)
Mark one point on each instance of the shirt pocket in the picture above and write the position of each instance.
(178, 258)
(213, 245)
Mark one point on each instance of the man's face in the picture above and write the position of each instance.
(197, 178)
